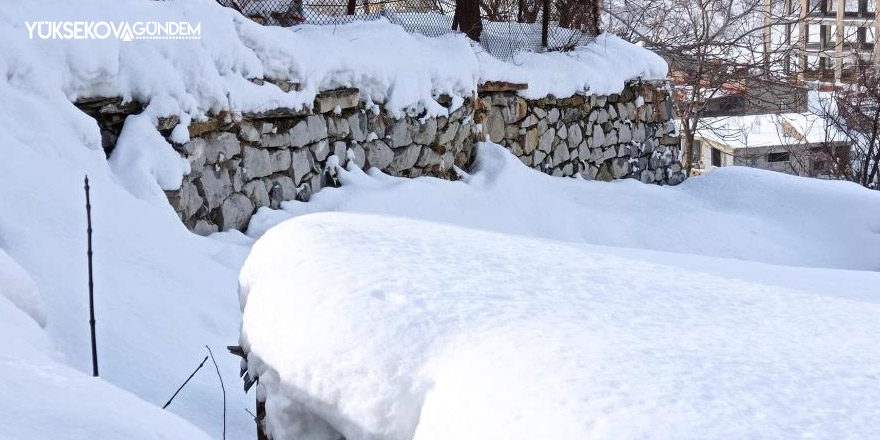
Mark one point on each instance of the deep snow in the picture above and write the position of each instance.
(734, 212)
(379, 327)
(163, 293)
(431, 331)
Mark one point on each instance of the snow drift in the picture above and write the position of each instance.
(161, 293)
(429, 309)
(733, 212)
(375, 327)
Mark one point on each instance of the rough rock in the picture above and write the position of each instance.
(379, 155)
(235, 212)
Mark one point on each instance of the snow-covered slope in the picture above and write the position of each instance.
(430, 331)
(163, 293)
(734, 212)
(520, 305)
(42, 398)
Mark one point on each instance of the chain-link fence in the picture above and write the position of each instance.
(508, 26)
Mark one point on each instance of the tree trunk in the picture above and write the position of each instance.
(467, 18)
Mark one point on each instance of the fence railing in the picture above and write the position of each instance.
(502, 27)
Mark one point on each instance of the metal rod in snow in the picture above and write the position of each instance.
(91, 282)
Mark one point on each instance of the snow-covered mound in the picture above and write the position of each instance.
(43, 399)
(20, 289)
(388, 328)
(194, 76)
(732, 212)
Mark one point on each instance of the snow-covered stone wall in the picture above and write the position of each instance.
(627, 135)
(241, 162)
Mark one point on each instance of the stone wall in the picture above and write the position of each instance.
(630, 134)
(242, 162)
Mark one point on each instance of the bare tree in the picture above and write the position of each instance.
(713, 47)
(853, 111)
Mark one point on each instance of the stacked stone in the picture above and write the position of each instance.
(264, 159)
(245, 162)
(626, 135)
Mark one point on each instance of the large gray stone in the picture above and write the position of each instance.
(546, 142)
(280, 188)
(560, 154)
(247, 132)
(401, 134)
(598, 138)
(553, 115)
(530, 143)
(221, 147)
(638, 132)
(236, 174)
(529, 121)
(256, 162)
(404, 158)
(583, 151)
(337, 127)
(195, 154)
(430, 158)
(257, 192)
(235, 212)
(301, 164)
(426, 133)
(575, 135)
(538, 157)
(562, 131)
(624, 135)
(494, 126)
(190, 200)
(317, 128)
(357, 155)
(448, 134)
(620, 167)
(321, 150)
(608, 153)
(357, 124)
(280, 160)
(610, 138)
(339, 148)
(203, 227)
(299, 134)
(273, 140)
(379, 155)
(215, 186)
(339, 99)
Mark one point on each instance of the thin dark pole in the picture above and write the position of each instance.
(222, 387)
(91, 283)
(545, 23)
(186, 382)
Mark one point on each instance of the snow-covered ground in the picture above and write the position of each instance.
(162, 293)
(517, 305)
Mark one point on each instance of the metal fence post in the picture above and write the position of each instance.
(545, 23)
(91, 282)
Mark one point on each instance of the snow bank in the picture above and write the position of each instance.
(601, 67)
(161, 293)
(431, 331)
(43, 399)
(20, 289)
(733, 212)
(388, 64)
